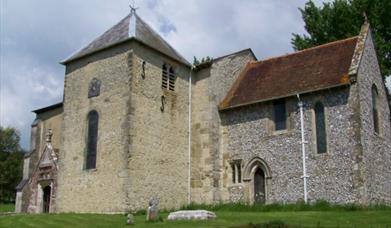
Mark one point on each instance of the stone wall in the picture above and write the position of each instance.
(376, 147)
(158, 159)
(100, 189)
(330, 175)
(142, 152)
(51, 119)
(210, 85)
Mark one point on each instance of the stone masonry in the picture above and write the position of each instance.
(150, 147)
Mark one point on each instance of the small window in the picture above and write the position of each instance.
(92, 139)
(320, 125)
(279, 115)
(168, 77)
(236, 171)
(375, 111)
(233, 173)
(164, 77)
(239, 171)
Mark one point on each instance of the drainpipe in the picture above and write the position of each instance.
(189, 142)
(303, 142)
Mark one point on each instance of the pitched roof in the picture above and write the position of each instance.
(308, 70)
(131, 27)
(48, 108)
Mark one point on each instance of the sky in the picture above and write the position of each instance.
(36, 35)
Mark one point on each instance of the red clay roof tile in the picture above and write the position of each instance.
(311, 69)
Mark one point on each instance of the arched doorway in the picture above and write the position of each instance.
(259, 186)
(257, 175)
(46, 199)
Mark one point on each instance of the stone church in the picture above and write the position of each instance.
(138, 121)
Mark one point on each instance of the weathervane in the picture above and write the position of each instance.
(133, 7)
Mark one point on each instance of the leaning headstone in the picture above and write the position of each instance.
(130, 220)
(153, 211)
(192, 215)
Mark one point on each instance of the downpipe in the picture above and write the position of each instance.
(303, 142)
(189, 138)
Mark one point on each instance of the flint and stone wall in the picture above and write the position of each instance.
(250, 136)
(210, 85)
(376, 147)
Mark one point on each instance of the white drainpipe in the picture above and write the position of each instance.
(303, 142)
(189, 158)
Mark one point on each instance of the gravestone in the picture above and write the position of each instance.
(130, 220)
(153, 211)
(192, 215)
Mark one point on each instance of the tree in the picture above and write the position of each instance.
(342, 19)
(11, 163)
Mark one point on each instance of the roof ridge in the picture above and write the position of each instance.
(305, 50)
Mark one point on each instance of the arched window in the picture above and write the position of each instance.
(92, 140)
(375, 112)
(168, 77)
(320, 123)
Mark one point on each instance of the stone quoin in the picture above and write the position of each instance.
(138, 121)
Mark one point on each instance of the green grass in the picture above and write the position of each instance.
(7, 207)
(320, 205)
(358, 218)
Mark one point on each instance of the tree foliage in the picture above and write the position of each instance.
(206, 59)
(11, 162)
(342, 19)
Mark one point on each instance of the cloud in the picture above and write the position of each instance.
(36, 35)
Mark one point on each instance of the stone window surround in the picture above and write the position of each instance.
(313, 127)
(236, 171)
(86, 122)
(375, 99)
(170, 82)
(289, 119)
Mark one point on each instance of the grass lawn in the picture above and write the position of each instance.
(7, 208)
(370, 218)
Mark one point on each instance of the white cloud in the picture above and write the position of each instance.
(36, 35)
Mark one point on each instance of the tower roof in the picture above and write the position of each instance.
(130, 27)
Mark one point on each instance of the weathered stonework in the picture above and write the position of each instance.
(376, 154)
(29, 194)
(210, 85)
(144, 131)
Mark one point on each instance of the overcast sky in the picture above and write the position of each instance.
(36, 35)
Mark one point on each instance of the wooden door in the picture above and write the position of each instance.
(259, 186)
(46, 199)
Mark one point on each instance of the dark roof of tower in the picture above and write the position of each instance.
(312, 69)
(48, 108)
(130, 27)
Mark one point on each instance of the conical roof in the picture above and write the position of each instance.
(131, 27)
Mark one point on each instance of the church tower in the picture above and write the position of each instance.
(125, 123)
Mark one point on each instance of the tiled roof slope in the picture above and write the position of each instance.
(123, 31)
(308, 70)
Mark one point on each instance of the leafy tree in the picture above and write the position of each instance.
(342, 19)
(11, 162)
(206, 59)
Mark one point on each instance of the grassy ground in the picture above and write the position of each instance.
(7, 207)
(361, 218)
